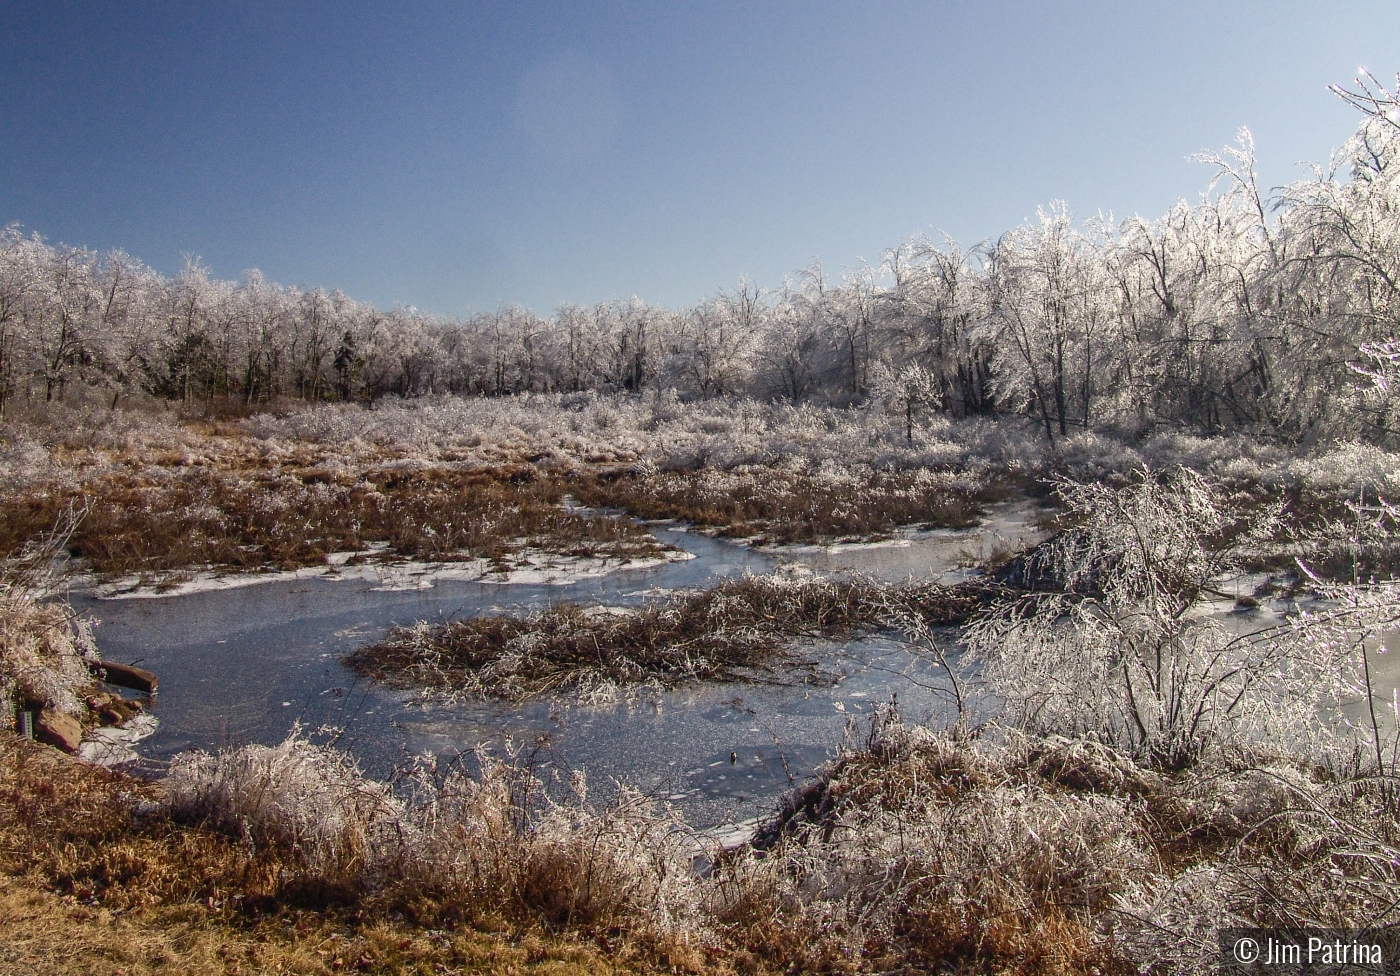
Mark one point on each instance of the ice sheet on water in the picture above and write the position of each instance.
(529, 567)
(114, 745)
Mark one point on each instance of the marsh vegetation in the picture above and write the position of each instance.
(744, 628)
(1164, 720)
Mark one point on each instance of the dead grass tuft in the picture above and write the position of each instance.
(781, 505)
(164, 520)
(924, 850)
(738, 629)
(100, 872)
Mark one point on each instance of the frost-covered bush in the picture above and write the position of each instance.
(1126, 654)
(44, 657)
(1345, 469)
(24, 460)
(1232, 457)
(1088, 456)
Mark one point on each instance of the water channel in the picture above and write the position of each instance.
(243, 665)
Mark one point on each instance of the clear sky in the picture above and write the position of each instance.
(457, 156)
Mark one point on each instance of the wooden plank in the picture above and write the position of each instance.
(127, 676)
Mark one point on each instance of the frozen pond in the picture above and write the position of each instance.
(945, 553)
(242, 665)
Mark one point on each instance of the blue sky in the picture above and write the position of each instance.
(459, 156)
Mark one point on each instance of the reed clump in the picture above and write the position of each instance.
(739, 629)
(161, 521)
(469, 842)
(100, 872)
(781, 505)
(921, 850)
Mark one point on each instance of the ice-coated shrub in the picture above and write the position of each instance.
(1125, 656)
(1345, 470)
(1087, 456)
(43, 658)
(1221, 457)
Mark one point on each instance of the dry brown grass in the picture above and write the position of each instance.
(89, 885)
(168, 493)
(233, 509)
(156, 522)
(916, 851)
(51, 935)
(738, 629)
(73, 826)
(782, 505)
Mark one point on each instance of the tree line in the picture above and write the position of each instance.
(1253, 309)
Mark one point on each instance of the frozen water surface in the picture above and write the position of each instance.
(243, 664)
(944, 553)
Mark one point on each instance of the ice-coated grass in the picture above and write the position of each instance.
(298, 796)
(45, 650)
(43, 659)
(468, 845)
(928, 850)
(616, 429)
(729, 434)
(992, 849)
(738, 629)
